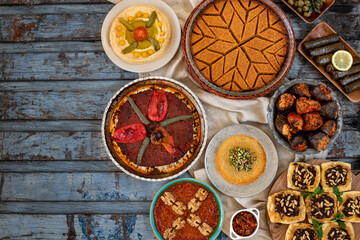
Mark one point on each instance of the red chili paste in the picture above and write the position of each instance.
(182, 131)
(184, 192)
(244, 223)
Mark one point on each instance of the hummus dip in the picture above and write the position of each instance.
(137, 16)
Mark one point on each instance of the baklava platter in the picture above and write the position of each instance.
(315, 195)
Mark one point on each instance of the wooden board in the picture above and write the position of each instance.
(278, 231)
(323, 30)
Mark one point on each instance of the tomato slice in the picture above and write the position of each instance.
(130, 134)
(140, 33)
(158, 106)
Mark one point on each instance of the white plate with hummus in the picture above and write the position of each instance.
(140, 35)
(241, 161)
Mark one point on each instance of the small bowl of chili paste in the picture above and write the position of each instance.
(244, 223)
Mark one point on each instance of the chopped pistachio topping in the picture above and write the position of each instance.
(242, 158)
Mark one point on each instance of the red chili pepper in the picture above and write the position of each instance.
(130, 134)
(158, 106)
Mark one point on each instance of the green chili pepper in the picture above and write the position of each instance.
(151, 19)
(127, 25)
(143, 147)
(170, 121)
(155, 43)
(130, 47)
(137, 111)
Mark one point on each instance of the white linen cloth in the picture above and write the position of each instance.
(221, 113)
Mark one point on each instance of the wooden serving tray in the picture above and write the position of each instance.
(277, 230)
(315, 15)
(323, 30)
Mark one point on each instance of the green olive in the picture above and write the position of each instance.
(307, 14)
(295, 4)
(301, 3)
(307, 2)
(299, 9)
(305, 8)
(323, 1)
(291, 2)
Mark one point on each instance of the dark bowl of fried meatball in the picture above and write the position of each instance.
(305, 116)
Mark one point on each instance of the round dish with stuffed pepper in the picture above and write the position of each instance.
(153, 129)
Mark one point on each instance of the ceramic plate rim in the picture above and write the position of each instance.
(156, 64)
(212, 190)
(103, 123)
(271, 161)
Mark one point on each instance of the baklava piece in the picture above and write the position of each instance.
(332, 231)
(286, 207)
(322, 207)
(301, 231)
(303, 176)
(336, 174)
(350, 207)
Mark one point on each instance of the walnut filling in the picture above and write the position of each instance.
(338, 233)
(322, 206)
(287, 205)
(303, 176)
(304, 234)
(352, 207)
(336, 176)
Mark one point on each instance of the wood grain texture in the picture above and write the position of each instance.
(278, 230)
(53, 146)
(60, 66)
(86, 186)
(79, 226)
(89, 146)
(83, 22)
(69, 103)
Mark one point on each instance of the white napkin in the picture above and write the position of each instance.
(221, 113)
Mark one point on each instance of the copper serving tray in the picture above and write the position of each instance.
(315, 15)
(323, 30)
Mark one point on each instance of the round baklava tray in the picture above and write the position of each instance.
(238, 49)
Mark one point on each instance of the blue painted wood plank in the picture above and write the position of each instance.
(58, 207)
(60, 66)
(104, 85)
(86, 105)
(78, 226)
(53, 146)
(83, 22)
(100, 186)
(47, 47)
(88, 146)
(33, 166)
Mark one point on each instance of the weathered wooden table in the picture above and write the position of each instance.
(56, 180)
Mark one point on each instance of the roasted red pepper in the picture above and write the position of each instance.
(161, 136)
(130, 134)
(158, 106)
